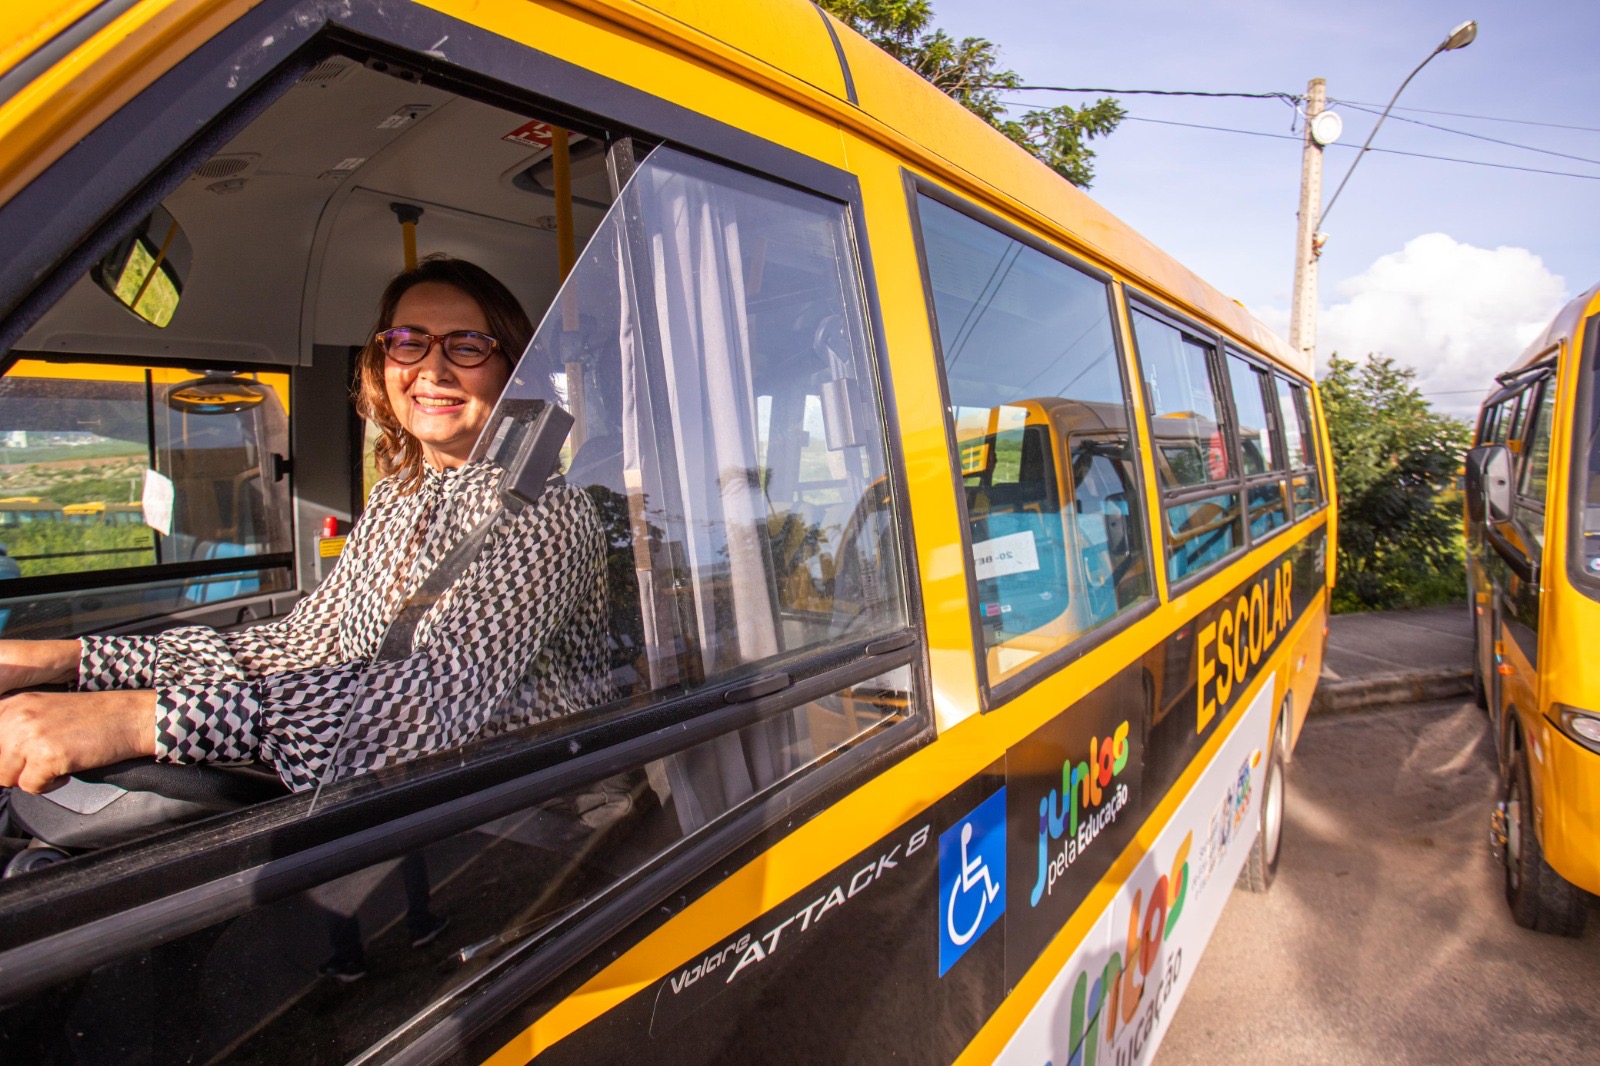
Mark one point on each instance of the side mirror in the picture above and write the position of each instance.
(1489, 483)
(145, 271)
(216, 394)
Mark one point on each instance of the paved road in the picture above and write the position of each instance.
(1386, 939)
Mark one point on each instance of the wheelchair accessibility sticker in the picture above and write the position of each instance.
(972, 878)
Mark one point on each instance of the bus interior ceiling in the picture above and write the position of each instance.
(293, 234)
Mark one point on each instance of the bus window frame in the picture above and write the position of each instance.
(1528, 513)
(1305, 415)
(1228, 424)
(993, 696)
(1221, 344)
(1278, 462)
(1585, 409)
(164, 886)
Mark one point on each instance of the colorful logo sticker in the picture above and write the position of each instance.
(972, 878)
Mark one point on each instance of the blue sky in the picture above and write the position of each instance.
(1447, 267)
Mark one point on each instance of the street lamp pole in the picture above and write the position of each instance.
(1310, 238)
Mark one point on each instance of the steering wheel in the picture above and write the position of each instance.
(123, 801)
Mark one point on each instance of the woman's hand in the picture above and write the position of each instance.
(26, 663)
(47, 735)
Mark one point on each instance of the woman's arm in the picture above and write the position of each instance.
(540, 571)
(47, 735)
(307, 636)
(26, 663)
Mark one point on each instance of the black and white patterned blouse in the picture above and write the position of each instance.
(519, 637)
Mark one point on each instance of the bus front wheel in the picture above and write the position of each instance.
(1262, 866)
(1540, 898)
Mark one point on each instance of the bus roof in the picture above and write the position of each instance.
(1563, 327)
(796, 50)
(895, 104)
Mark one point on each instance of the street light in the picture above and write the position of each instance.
(1460, 37)
(1310, 238)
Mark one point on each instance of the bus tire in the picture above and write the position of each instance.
(1262, 866)
(1540, 898)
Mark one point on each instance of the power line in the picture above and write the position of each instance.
(1476, 136)
(1289, 97)
(1486, 163)
(1389, 151)
(1294, 98)
(1219, 129)
(1483, 118)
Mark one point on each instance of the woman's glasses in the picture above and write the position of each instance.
(464, 348)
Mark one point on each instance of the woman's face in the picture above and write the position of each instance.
(441, 404)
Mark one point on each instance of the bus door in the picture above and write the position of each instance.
(741, 465)
(1505, 547)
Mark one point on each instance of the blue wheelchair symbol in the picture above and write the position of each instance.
(972, 878)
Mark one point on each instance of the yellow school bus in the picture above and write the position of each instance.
(968, 559)
(1533, 570)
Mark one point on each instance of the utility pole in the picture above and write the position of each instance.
(1309, 239)
(1307, 244)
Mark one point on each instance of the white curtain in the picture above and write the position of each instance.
(691, 465)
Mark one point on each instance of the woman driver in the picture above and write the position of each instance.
(518, 637)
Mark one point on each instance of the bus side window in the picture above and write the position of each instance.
(1294, 405)
(1260, 450)
(1039, 417)
(1486, 423)
(1529, 509)
(1505, 426)
(1193, 458)
(128, 470)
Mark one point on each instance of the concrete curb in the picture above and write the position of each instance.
(1336, 697)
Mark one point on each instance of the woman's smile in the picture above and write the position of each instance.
(442, 405)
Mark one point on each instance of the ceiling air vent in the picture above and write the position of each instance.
(226, 166)
(326, 73)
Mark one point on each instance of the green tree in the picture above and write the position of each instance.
(968, 70)
(1396, 461)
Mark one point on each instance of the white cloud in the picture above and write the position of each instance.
(1456, 313)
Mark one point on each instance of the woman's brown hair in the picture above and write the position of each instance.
(397, 452)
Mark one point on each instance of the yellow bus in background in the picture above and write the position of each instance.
(968, 558)
(109, 514)
(1533, 571)
(20, 510)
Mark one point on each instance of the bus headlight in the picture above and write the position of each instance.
(1581, 726)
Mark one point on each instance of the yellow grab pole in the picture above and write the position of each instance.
(567, 258)
(561, 157)
(408, 214)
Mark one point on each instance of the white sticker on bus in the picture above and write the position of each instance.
(1112, 1002)
(1014, 553)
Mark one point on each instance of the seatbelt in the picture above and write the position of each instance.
(527, 446)
(397, 639)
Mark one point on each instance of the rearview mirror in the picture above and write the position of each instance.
(1489, 483)
(144, 271)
